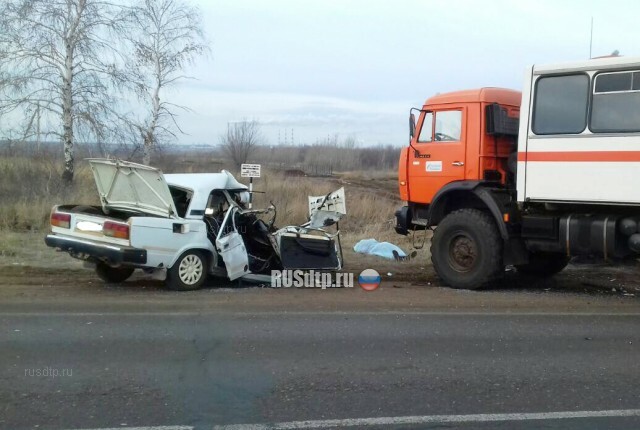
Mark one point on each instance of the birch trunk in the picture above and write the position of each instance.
(67, 115)
(149, 136)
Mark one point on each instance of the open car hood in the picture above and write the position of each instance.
(132, 187)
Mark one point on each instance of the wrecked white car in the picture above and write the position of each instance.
(189, 226)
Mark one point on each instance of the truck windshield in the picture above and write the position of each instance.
(426, 130)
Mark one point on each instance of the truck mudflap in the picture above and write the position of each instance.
(403, 220)
(86, 250)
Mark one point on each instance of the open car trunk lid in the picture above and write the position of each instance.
(132, 187)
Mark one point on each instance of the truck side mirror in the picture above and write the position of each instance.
(412, 125)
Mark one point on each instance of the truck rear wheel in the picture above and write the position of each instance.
(544, 264)
(466, 249)
(113, 275)
(188, 272)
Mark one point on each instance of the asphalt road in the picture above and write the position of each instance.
(404, 356)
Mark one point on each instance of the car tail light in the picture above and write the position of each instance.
(60, 220)
(115, 229)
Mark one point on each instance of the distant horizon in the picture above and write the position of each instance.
(183, 145)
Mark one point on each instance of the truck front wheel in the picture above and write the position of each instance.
(466, 249)
(544, 264)
(113, 275)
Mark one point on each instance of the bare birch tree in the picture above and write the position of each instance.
(241, 141)
(57, 60)
(166, 36)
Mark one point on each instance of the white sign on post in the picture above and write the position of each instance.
(250, 170)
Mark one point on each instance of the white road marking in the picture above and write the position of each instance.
(258, 313)
(426, 419)
(147, 428)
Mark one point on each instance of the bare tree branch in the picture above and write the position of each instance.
(166, 36)
(58, 55)
(241, 141)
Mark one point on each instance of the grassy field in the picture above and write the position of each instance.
(29, 187)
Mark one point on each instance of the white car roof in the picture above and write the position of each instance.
(202, 184)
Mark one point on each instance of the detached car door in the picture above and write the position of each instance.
(230, 246)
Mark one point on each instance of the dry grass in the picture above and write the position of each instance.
(367, 210)
(27, 248)
(369, 175)
(29, 187)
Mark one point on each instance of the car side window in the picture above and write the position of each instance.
(181, 199)
(217, 204)
(448, 126)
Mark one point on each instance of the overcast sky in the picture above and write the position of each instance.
(320, 67)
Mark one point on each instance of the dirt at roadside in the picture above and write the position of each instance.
(585, 280)
(29, 269)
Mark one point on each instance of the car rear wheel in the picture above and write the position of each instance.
(113, 275)
(188, 272)
(466, 249)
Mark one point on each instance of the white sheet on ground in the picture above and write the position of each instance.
(381, 249)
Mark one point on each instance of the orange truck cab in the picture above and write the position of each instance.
(526, 179)
(452, 140)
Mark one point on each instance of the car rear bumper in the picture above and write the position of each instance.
(86, 250)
